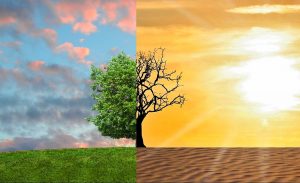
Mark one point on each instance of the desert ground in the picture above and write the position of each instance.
(218, 165)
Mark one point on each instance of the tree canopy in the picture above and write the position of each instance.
(114, 92)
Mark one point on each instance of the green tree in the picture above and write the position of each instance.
(114, 92)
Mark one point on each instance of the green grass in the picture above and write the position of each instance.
(69, 165)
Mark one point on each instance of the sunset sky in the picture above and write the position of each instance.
(46, 49)
(240, 62)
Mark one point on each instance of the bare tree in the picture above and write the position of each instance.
(155, 87)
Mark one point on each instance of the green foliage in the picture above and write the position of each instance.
(69, 165)
(114, 91)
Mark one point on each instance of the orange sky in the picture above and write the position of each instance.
(240, 63)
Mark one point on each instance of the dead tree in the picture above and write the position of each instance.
(155, 87)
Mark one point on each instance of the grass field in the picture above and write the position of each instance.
(69, 165)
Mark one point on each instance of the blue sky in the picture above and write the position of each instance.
(46, 49)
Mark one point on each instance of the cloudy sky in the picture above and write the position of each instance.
(46, 49)
(240, 62)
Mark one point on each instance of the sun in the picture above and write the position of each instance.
(262, 41)
(271, 82)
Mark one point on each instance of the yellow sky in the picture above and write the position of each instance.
(240, 62)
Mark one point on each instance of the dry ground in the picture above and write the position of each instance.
(218, 165)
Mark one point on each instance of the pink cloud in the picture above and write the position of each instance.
(90, 13)
(50, 36)
(111, 11)
(81, 145)
(81, 14)
(103, 21)
(36, 65)
(128, 23)
(75, 53)
(61, 141)
(85, 27)
(66, 11)
(6, 143)
(69, 11)
(7, 20)
(85, 62)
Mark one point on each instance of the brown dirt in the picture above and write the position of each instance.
(218, 165)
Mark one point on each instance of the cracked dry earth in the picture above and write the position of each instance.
(218, 165)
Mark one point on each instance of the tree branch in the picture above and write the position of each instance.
(153, 90)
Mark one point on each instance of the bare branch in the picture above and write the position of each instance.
(153, 83)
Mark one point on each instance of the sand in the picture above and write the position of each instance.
(218, 165)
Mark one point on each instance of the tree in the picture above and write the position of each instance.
(113, 89)
(155, 87)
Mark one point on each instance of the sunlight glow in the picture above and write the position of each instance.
(269, 79)
(265, 9)
(271, 82)
(265, 123)
(262, 41)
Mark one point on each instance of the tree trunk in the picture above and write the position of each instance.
(139, 136)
